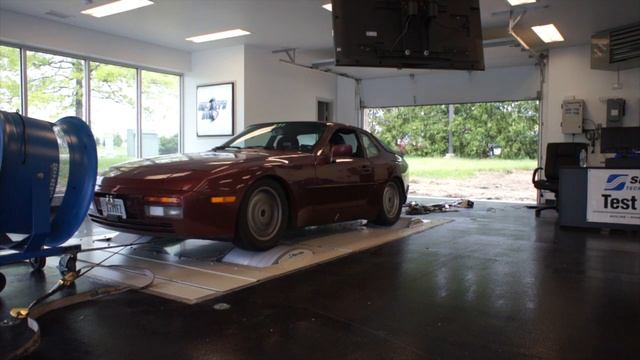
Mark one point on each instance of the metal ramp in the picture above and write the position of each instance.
(193, 270)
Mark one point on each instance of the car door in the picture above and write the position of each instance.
(381, 172)
(343, 182)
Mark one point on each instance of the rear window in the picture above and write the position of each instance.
(370, 146)
(383, 144)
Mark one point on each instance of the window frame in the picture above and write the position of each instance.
(24, 76)
(20, 73)
(87, 82)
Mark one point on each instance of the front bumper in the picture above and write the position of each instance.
(200, 219)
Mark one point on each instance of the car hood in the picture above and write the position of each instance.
(175, 172)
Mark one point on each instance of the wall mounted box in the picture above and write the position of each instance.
(615, 112)
(572, 116)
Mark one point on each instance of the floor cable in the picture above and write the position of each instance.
(38, 307)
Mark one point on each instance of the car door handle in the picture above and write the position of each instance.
(366, 169)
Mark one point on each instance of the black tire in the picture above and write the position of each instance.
(390, 204)
(38, 263)
(263, 216)
(3, 282)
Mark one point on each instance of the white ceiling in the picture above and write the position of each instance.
(305, 25)
(273, 23)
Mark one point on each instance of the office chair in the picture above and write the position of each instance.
(558, 155)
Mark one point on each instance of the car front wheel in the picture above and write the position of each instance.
(263, 216)
(390, 204)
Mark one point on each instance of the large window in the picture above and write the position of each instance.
(10, 79)
(132, 112)
(55, 86)
(160, 131)
(113, 113)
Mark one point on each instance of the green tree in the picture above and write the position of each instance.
(423, 130)
(157, 87)
(59, 80)
(112, 82)
(511, 125)
(419, 130)
(55, 85)
(117, 140)
(169, 145)
(160, 111)
(9, 78)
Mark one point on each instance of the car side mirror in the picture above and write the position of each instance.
(341, 150)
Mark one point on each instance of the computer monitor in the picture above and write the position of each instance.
(620, 140)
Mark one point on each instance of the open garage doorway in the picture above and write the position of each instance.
(482, 151)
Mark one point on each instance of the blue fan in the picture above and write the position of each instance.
(47, 179)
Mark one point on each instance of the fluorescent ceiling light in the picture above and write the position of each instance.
(328, 7)
(548, 33)
(116, 7)
(520, 2)
(218, 35)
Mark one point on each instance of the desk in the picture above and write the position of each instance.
(611, 201)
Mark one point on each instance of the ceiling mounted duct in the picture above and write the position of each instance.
(616, 49)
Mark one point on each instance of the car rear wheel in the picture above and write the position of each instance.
(263, 216)
(390, 204)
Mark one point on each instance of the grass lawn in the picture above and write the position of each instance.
(116, 155)
(458, 168)
(105, 162)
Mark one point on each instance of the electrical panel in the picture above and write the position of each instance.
(615, 112)
(572, 116)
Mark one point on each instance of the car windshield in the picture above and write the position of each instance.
(281, 136)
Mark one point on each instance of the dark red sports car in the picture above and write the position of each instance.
(251, 189)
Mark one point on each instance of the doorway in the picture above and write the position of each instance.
(484, 151)
(325, 110)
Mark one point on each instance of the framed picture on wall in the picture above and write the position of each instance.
(215, 109)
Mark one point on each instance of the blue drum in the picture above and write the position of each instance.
(47, 179)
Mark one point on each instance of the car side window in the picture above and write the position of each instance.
(307, 141)
(346, 136)
(369, 146)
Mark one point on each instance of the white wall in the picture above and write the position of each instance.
(569, 74)
(276, 91)
(347, 101)
(266, 89)
(42, 33)
(444, 87)
(209, 67)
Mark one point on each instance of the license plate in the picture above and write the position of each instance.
(113, 207)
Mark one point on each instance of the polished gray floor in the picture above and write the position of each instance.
(495, 283)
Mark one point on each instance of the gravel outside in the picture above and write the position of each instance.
(514, 185)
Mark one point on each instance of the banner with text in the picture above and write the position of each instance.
(614, 196)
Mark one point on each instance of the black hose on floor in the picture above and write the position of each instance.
(27, 316)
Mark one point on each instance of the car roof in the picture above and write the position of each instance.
(329, 124)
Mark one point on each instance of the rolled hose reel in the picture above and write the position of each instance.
(47, 178)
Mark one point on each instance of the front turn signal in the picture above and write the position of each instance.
(223, 199)
(162, 199)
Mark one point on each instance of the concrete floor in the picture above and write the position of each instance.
(495, 283)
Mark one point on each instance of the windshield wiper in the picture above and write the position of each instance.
(222, 147)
